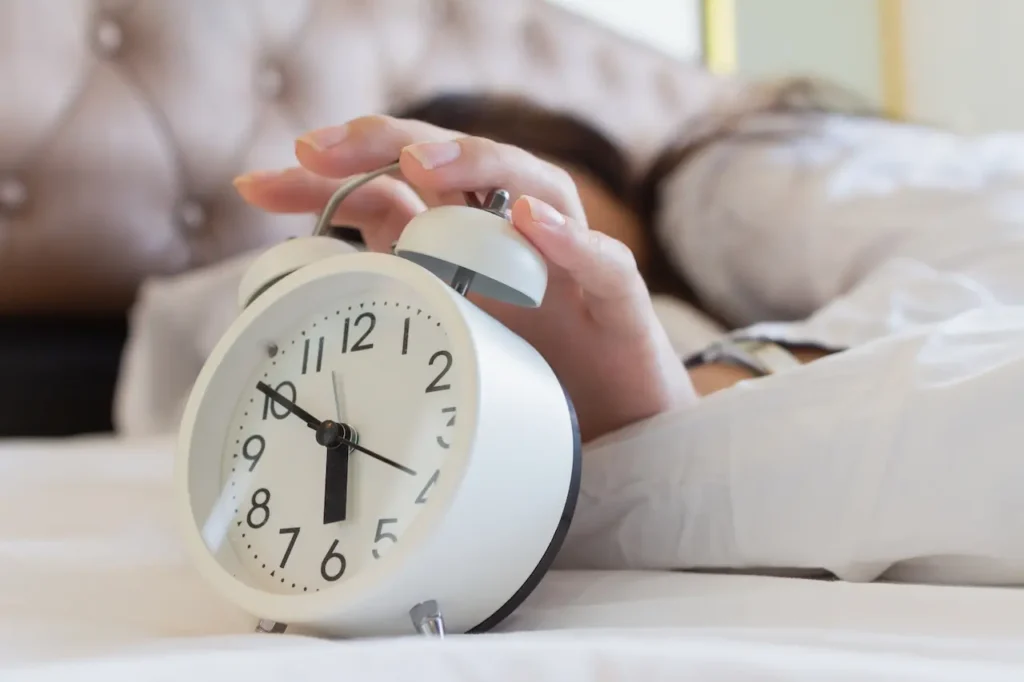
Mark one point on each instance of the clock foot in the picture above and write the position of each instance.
(271, 627)
(462, 280)
(427, 619)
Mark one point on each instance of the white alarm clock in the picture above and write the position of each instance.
(366, 452)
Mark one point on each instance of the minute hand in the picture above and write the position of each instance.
(314, 423)
(381, 458)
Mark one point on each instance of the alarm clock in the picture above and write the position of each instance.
(365, 451)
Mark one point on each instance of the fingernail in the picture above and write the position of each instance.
(323, 139)
(433, 154)
(256, 176)
(544, 213)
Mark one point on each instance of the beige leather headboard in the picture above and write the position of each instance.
(122, 122)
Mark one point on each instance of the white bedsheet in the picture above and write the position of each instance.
(94, 586)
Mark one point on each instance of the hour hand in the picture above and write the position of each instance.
(337, 461)
(336, 484)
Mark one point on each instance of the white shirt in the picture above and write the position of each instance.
(901, 458)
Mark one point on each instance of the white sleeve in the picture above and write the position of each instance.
(849, 229)
(901, 455)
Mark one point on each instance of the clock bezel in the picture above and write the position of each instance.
(236, 356)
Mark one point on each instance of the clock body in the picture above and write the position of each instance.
(472, 473)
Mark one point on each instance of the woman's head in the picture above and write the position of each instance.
(617, 202)
(599, 167)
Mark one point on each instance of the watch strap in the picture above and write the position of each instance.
(760, 357)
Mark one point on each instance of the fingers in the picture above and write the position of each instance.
(603, 267)
(437, 161)
(363, 144)
(380, 209)
(479, 164)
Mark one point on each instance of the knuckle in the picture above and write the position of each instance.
(564, 186)
(374, 124)
(481, 150)
(561, 178)
(613, 253)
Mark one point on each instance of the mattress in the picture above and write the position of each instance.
(94, 585)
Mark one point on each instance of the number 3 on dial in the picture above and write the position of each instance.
(383, 535)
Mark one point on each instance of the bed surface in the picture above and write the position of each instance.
(95, 586)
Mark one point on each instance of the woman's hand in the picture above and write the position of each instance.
(596, 326)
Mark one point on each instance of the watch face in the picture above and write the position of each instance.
(299, 509)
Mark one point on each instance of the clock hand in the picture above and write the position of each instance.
(311, 421)
(336, 484)
(328, 432)
(333, 435)
(336, 469)
(339, 404)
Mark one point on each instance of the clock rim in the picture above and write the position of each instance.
(305, 607)
(547, 560)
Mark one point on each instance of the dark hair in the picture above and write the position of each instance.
(558, 135)
(514, 120)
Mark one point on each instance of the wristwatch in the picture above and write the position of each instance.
(758, 356)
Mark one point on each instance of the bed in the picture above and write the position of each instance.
(118, 169)
(95, 586)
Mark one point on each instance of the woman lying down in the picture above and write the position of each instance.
(864, 418)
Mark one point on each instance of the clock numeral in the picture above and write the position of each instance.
(294, 532)
(361, 343)
(382, 535)
(405, 336)
(451, 422)
(332, 557)
(446, 357)
(271, 408)
(259, 508)
(258, 444)
(319, 355)
(421, 498)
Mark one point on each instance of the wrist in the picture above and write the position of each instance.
(715, 376)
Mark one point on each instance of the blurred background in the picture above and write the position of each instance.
(952, 63)
(123, 122)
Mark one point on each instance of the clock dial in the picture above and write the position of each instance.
(306, 509)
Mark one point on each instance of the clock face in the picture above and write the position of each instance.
(298, 516)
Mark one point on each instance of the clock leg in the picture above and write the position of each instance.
(462, 280)
(271, 627)
(427, 619)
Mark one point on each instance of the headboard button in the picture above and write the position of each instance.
(107, 37)
(13, 196)
(191, 216)
(270, 82)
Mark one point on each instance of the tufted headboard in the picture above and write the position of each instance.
(122, 123)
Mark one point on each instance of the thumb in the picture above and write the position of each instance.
(603, 268)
